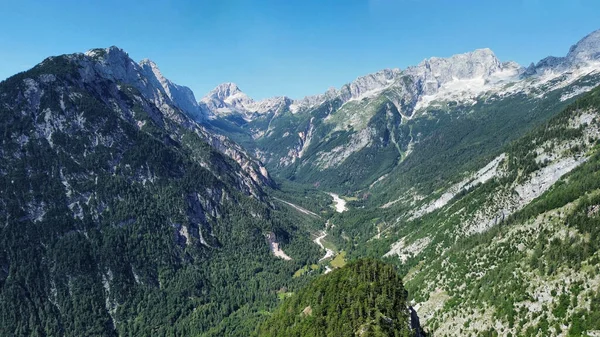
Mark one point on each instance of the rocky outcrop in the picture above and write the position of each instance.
(181, 96)
(114, 64)
(584, 52)
(227, 98)
(432, 73)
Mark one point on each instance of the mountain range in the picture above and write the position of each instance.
(470, 73)
(326, 135)
(130, 208)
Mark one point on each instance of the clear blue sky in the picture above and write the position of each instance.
(289, 47)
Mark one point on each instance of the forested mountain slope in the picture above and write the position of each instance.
(491, 212)
(364, 298)
(513, 247)
(122, 216)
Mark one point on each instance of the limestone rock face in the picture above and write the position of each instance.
(583, 53)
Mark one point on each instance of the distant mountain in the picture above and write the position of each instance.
(228, 99)
(382, 117)
(480, 68)
(429, 76)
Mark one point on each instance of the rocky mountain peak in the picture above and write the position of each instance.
(228, 98)
(113, 52)
(434, 72)
(225, 90)
(182, 96)
(587, 49)
(112, 61)
(357, 89)
(150, 68)
(369, 83)
(148, 63)
(478, 63)
(114, 64)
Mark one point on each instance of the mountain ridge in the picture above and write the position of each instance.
(377, 119)
(115, 64)
(373, 82)
(585, 50)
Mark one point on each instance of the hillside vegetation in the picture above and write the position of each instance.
(364, 298)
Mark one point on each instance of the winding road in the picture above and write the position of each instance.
(328, 252)
(340, 206)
